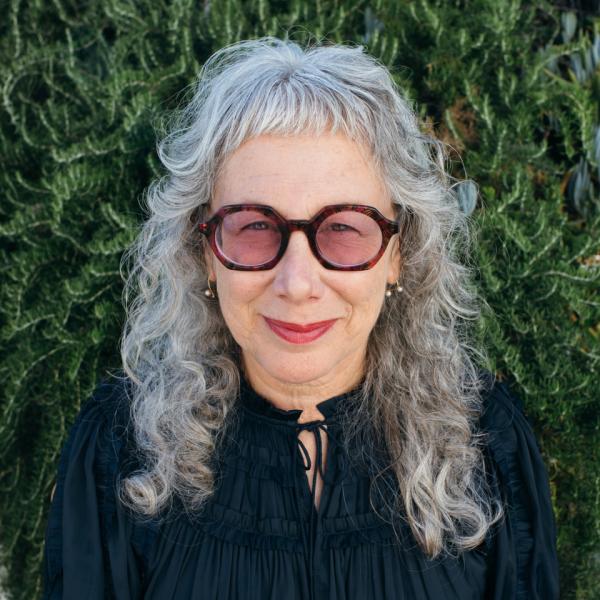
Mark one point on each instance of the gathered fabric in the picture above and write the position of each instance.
(260, 535)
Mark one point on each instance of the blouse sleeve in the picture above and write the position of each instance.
(524, 562)
(87, 553)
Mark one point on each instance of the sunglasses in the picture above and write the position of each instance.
(254, 237)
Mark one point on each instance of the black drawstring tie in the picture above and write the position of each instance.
(315, 427)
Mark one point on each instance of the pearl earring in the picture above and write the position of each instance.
(399, 289)
(209, 292)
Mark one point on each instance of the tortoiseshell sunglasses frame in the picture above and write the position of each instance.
(309, 227)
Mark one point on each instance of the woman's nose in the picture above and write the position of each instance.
(297, 273)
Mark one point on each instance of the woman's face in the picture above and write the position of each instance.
(297, 176)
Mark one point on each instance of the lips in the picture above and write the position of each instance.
(299, 334)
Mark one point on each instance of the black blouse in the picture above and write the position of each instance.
(260, 535)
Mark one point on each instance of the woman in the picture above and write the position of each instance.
(300, 413)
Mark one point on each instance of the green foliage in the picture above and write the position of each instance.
(513, 88)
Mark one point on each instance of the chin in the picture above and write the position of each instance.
(293, 371)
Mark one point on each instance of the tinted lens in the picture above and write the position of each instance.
(349, 238)
(248, 237)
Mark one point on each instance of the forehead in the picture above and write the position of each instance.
(298, 175)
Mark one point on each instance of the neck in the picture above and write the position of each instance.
(302, 395)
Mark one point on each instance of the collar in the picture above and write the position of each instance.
(261, 407)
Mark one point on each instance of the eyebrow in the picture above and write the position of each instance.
(328, 203)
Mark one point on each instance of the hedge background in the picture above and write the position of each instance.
(514, 86)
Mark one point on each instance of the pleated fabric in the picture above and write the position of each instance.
(260, 536)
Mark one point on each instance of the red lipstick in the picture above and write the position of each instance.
(299, 334)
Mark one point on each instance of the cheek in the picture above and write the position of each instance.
(365, 300)
(237, 299)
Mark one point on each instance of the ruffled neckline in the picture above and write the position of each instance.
(261, 407)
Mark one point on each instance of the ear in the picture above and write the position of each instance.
(395, 261)
(209, 262)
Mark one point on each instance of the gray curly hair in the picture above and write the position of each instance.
(421, 390)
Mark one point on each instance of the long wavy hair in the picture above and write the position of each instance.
(422, 385)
